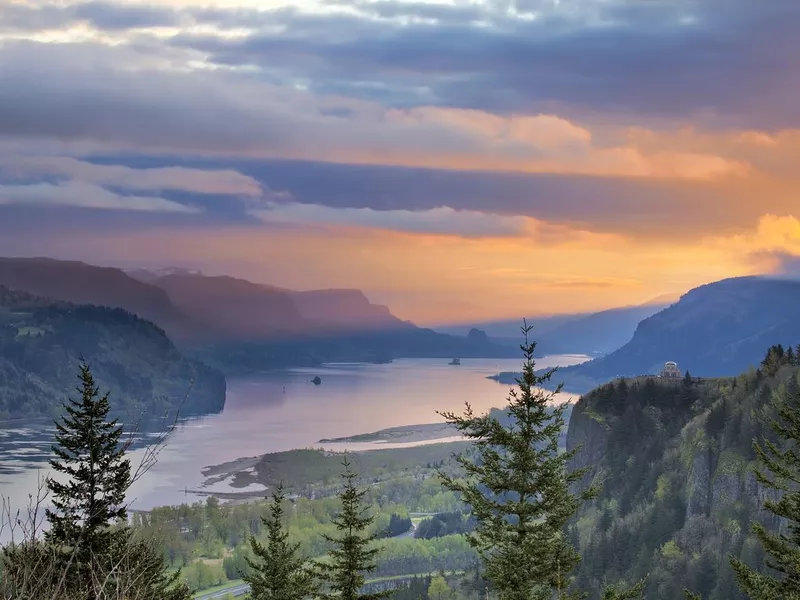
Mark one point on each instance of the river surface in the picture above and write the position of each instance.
(282, 411)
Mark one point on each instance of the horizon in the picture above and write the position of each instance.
(662, 300)
(458, 162)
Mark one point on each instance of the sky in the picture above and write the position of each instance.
(457, 160)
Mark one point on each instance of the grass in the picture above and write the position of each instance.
(297, 469)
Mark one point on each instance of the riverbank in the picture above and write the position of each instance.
(405, 433)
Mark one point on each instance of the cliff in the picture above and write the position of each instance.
(674, 469)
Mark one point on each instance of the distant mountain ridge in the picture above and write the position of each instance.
(195, 307)
(715, 330)
(583, 333)
(239, 325)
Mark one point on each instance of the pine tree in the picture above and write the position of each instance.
(518, 488)
(277, 572)
(88, 452)
(781, 462)
(86, 554)
(354, 554)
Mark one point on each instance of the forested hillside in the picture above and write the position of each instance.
(41, 342)
(674, 465)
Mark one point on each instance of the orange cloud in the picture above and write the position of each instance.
(459, 139)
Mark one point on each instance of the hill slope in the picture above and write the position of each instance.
(233, 308)
(41, 342)
(345, 310)
(718, 329)
(592, 333)
(674, 465)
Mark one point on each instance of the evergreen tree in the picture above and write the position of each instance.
(277, 572)
(89, 552)
(781, 463)
(88, 452)
(518, 487)
(354, 553)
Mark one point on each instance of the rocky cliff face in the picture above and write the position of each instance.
(587, 433)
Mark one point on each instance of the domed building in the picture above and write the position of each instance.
(670, 370)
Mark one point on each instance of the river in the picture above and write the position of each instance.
(281, 411)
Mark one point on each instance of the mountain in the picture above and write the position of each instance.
(348, 310)
(673, 463)
(242, 326)
(81, 283)
(597, 333)
(196, 308)
(41, 342)
(233, 309)
(718, 329)
(584, 333)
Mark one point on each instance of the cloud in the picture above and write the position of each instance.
(771, 248)
(84, 195)
(729, 60)
(51, 94)
(778, 264)
(200, 181)
(441, 220)
(105, 16)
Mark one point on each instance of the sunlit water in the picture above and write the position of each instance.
(281, 411)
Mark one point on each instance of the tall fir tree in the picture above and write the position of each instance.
(89, 453)
(354, 552)
(518, 487)
(780, 462)
(277, 571)
(86, 554)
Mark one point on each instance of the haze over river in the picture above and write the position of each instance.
(281, 411)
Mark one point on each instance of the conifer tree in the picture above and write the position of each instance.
(87, 554)
(354, 553)
(277, 571)
(518, 487)
(92, 497)
(781, 471)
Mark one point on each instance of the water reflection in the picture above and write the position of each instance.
(274, 412)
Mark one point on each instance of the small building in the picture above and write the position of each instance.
(670, 370)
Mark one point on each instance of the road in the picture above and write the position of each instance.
(236, 592)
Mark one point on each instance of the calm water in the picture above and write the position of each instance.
(281, 411)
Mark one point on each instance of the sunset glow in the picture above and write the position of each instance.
(456, 161)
